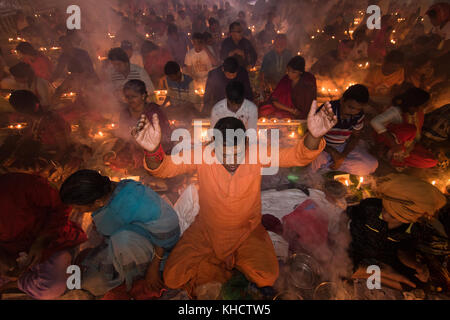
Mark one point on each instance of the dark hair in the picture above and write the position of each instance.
(198, 36)
(126, 45)
(230, 65)
(118, 54)
(147, 47)
(234, 24)
(420, 60)
(207, 36)
(26, 48)
(171, 67)
(297, 63)
(357, 92)
(395, 57)
(413, 97)
(136, 85)
(172, 29)
(75, 66)
(213, 21)
(235, 91)
(229, 123)
(24, 101)
(84, 187)
(22, 70)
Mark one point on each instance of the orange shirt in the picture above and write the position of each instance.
(230, 205)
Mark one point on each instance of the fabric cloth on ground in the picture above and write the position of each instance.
(139, 291)
(187, 207)
(31, 207)
(134, 221)
(307, 227)
(47, 280)
(281, 203)
(408, 198)
(299, 97)
(228, 228)
(247, 113)
(358, 162)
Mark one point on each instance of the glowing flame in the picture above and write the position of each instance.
(361, 179)
(292, 134)
(433, 182)
(346, 183)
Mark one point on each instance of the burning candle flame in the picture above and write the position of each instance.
(433, 182)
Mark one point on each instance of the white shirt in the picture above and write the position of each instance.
(381, 121)
(199, 65)
(247, 113)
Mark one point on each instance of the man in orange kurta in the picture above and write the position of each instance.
(227, 233)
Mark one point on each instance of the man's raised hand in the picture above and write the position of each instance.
(148, 134)
(319, 123)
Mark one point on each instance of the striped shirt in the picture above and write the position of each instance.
(344, 127)
(136, 73)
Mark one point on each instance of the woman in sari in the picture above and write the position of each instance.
(399, 128)
(127, 154)
(293, 95)
(36, 237)
(139, 230)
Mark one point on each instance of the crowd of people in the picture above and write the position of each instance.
(77, 112)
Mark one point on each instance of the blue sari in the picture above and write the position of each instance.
(134, 221)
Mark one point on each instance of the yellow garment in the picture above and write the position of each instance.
(408, 198)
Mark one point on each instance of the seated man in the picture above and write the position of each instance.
(199, 61)
(238, 47)
(218, 80)
(136, 59)
(72, 55)
(39, 233)
(294, 93)
(384, 229)
(345, 151)
(274, 64)
(180, 92)
(177, 43)
(236, 106)
(155, 58)
(25, 79)
(46, 134)
(227, 233)
(123, 71)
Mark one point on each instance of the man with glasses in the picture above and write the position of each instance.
(238, 47)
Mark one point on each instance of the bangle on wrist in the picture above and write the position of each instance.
(157, 155)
